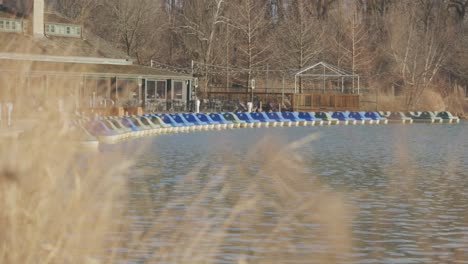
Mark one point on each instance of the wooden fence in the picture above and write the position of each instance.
(298, 102)
(325, 102)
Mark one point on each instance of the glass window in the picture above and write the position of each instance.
(128, 90)
(133, 89)
(103, 88)
(99, 87)
(90, 88)
(161, 90)
(178, 90)
(66, 30)
(150, 90)
(169, 94)
(11, 25)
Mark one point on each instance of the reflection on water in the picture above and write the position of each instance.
(407, 185)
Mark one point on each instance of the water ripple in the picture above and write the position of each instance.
(409, 185)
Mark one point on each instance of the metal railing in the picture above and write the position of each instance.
(168, 106)
(237, 101)
(262, 101)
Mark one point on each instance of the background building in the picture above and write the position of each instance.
(46, 57)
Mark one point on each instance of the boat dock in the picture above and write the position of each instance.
(109, 130)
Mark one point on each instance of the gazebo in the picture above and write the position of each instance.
(324, 72)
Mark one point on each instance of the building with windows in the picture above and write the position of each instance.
(45, 57)
(59, 26)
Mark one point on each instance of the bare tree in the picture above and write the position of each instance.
(78, 10)
(412, 44)
(201, 23)
(299, 38)
(248, 18)
(133, 24)
(418, 49)
(353, 43)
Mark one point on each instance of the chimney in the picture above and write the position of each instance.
(38, 19)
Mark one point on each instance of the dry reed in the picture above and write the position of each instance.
(57, 206)
(63, 206)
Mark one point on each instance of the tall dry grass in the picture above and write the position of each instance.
(62, 206)
(58, 206)
(430, 100)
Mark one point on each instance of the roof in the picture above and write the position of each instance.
(88, 69)
(325, 69)
(67, 54)
(90, 46)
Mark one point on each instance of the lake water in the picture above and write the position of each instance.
(356, 194)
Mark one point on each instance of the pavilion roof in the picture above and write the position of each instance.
(323, 69)
(65, 68)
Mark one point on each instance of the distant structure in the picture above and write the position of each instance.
(46, 57)
(322, 86)
(324, 72)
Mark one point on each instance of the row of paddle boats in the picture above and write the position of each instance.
(422, 117)
(112, 129)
